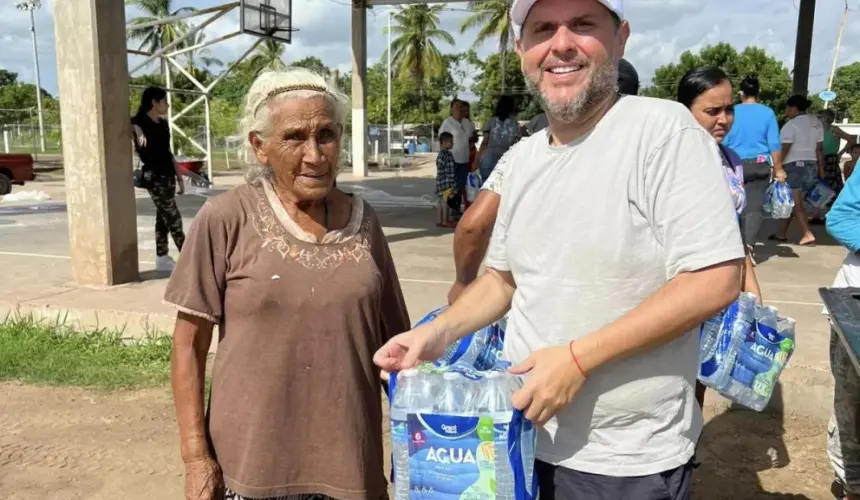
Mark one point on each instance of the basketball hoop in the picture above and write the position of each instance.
(271, 19)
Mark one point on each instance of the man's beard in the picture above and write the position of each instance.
(601, 83)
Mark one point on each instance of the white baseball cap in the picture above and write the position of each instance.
(520, 10)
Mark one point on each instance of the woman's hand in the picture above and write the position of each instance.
(138, 133)
(203, 480)
(779, 174)
(424, 343)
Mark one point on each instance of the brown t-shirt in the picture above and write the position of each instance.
(295, 403)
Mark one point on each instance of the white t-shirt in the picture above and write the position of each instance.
(803, 132)
(589, 230)
(461, 130)
(493, 182)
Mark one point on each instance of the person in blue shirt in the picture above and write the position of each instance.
(755, 138)
(843, 434)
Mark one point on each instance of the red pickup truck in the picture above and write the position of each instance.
(15, 169)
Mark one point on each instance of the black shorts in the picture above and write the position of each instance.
(558, 483)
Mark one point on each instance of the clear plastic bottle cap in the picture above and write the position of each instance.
(493, 374)
(409, 372)
(450, 375)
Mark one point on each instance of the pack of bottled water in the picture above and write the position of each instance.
(481, 350)
(819, 195)
(744, 349)
(778, 200)
(456, 435)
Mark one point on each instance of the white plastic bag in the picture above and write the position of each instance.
(473, 186)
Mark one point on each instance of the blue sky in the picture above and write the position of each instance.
(662, 29)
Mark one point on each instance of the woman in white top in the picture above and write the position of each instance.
(501, 132)
(803, 156)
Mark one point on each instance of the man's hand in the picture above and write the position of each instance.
(455, 291)
(779, 174)
(553, 381)
(203, 480)
(424, 343)
(180, 184)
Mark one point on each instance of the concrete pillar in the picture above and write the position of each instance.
(359, 80)
(803, 46)
(92, 73)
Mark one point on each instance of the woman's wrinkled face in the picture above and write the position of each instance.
(714, 110)
(302, 147)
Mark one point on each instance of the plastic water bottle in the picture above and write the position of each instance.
(453, 399)
(406, 397)
(496, 403)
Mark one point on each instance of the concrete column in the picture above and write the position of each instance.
(803, 46)
(92, 73)
(359, 80)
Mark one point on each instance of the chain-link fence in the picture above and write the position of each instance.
(19, 131)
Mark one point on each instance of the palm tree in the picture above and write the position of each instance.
(203, 53)
(268, 56)
(493, 19)
(154, 38)
(414, 51)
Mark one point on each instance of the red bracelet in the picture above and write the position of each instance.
(575, 360)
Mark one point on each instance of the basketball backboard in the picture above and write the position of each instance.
(271, 19)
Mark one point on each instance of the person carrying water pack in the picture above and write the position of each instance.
(606, 282)
(473, 230)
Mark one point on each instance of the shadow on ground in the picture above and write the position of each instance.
(768, 248)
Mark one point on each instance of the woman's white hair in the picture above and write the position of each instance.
(271, 87)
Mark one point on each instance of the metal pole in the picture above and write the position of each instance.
(38, 82)
(388, 128)
(836, 54)
(208, 140)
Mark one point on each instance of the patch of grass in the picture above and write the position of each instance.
(37, 352)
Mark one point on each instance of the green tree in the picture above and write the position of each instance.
(492, 18)
(314, 64)
(269, 55)
(7, 77)
(846, 84)
(154, 38)
(774, 77)
(202, 54)
(488, 86)
(415, 55)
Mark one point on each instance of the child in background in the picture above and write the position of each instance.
(446, 182)
(850, 164)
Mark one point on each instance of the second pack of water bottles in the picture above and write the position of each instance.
(778, 200)
(743, 350)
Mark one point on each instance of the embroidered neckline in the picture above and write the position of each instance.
(332, 237)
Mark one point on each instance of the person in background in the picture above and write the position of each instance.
(843, 433)
(755, 138)
(615, 239)
(161, 175)
(300, 280)
(461, 130)
(628, 84)
(446, 172)
(803, 152)
(500, 133)
(473, 230)
(851, 164)
(707, 92)
(833, 137)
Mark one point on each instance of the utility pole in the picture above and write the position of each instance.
(30, 6)
(803, 46)
(836, 54)
(388, 142)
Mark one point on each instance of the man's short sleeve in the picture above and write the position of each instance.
(493, 183)
(497, 252)
(786, 136)
(198, 283)
(689, 205)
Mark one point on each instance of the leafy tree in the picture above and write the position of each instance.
(488, 86)
(314, 64)
(774, 77)
(415, 55)
(268, 56)
(7, 77)
(202, 54)
(154, 38)
(493, 20)
(846, 84)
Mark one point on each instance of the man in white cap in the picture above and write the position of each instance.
(615, 239)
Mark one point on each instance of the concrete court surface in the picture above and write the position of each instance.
(34, 252)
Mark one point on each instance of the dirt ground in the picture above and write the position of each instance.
(64, 444)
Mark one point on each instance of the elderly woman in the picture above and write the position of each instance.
(300, 281)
